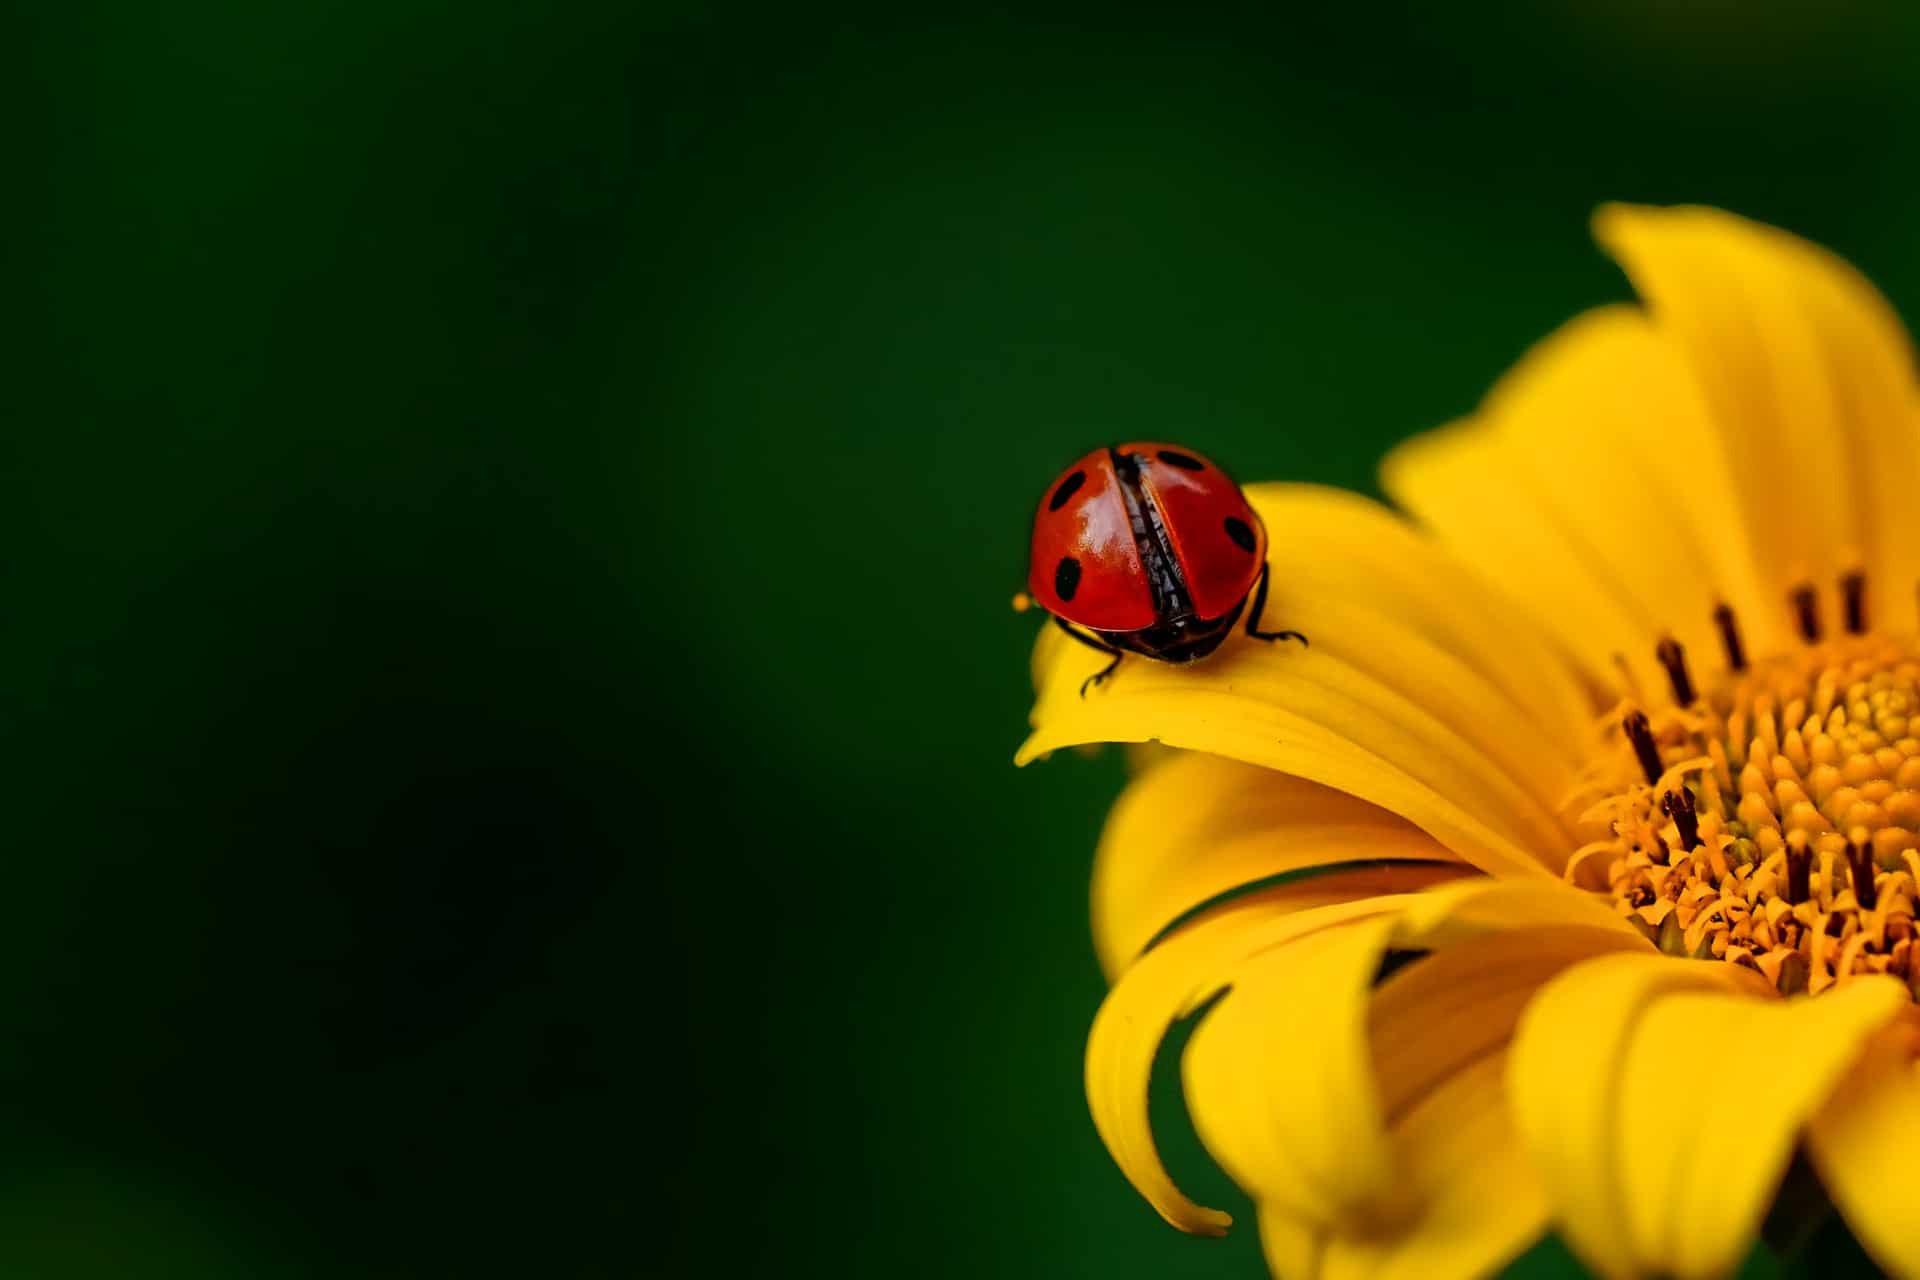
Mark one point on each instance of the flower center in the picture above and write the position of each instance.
(1771, 819)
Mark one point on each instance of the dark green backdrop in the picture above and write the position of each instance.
(510, 511)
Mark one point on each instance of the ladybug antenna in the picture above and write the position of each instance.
(1022, 602)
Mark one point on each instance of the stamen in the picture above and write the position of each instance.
(1853, 589)
(1806, 609)
(1792, 847)
(1674, 659)
(1799, 867)
(1730, 636)
(1640, 734)
(1860, 864)
(1678, 805)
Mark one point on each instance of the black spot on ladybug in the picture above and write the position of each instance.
(1242, 535)
(1184, 461)
(1066, 577)
(1068, 487)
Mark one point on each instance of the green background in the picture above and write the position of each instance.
(509, 519)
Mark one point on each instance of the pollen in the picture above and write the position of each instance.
(1769, 816)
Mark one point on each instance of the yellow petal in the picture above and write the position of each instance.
(1341, 544)
(1377, 707)
(1809, 380)
(1452, 1189)
(1593, 1073)
(1460, 1003)
(1567, 1052)
(1293, 1077)
(1753, 434)
(1863, 1142)
(1479, 1202)
(1589, 485)
(1280, 1087)
(1293, 1247)
(1171, 981)
(1453, 913)
(1196, 826)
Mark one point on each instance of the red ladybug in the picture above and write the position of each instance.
(1149, 549)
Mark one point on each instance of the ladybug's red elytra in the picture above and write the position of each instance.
(1149, 549)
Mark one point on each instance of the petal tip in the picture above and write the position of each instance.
(1208, 1222)
(1613, 218)
(1404, 465)
(1607, 218)
(1617, 225)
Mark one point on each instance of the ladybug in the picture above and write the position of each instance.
(1149, 549)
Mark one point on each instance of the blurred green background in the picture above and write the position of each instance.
(509, 520)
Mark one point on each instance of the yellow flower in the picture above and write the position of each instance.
(1612, 766)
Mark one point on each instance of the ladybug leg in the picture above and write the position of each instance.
(1099, 676)
(1260, 607)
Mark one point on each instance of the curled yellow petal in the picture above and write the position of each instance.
(1593, 1071)
(1170, 981)
(1278, 1081)
(1196, 826)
